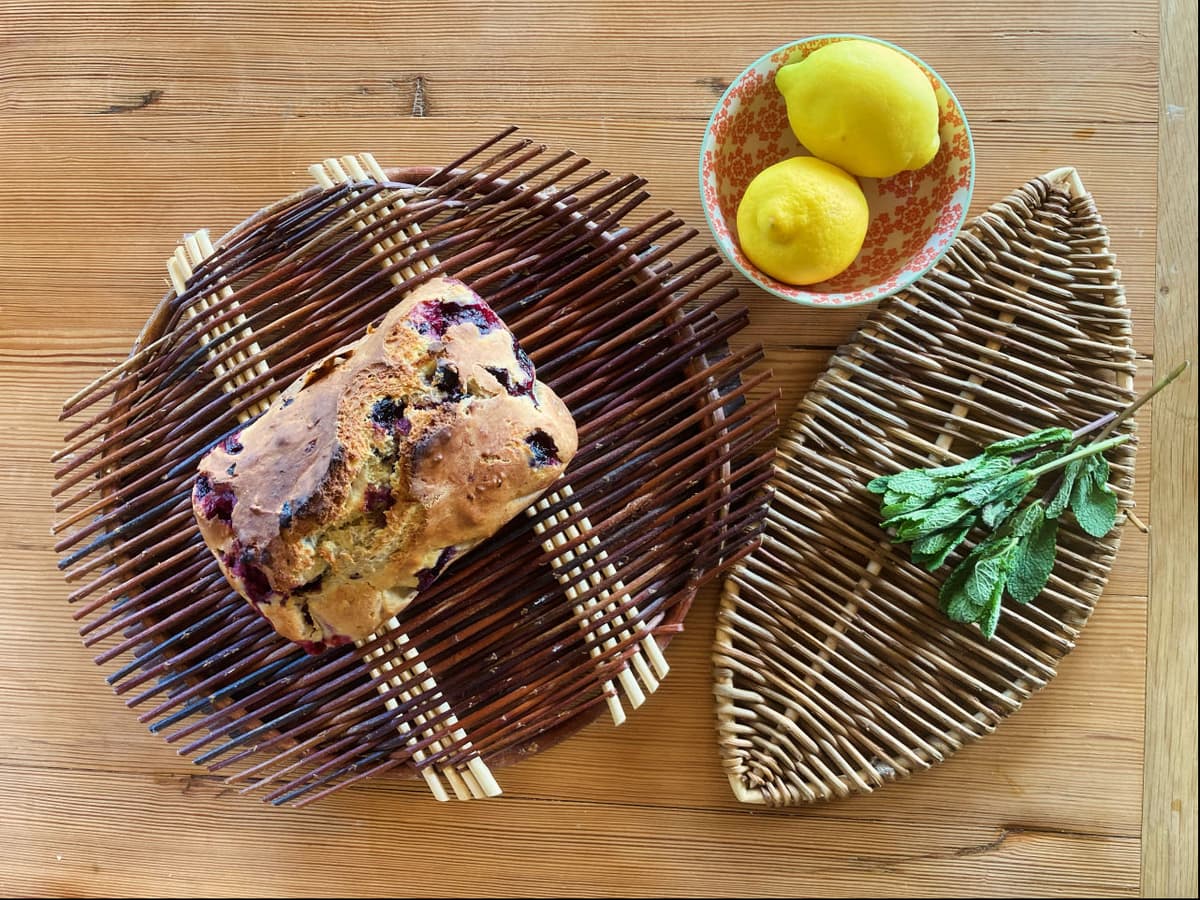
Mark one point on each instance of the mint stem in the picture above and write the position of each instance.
(1075, 436)
(1092, 426)
(1074, 442)
(1087, 450)
(1136, 404)
(1111, 421)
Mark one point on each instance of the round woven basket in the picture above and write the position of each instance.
(835, 671)
(533, 634)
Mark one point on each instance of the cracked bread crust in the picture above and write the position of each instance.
(380, 466)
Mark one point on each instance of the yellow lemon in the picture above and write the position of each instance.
(802, 220)
(862, 106)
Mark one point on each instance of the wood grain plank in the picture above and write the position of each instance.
(1021, 785)
(619, 60)
(1086, 720)
(152, 192)
(1169, 840)
(127, 123)
(544, 848)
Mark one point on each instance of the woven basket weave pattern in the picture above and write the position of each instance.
(835, 670)
(624, 322)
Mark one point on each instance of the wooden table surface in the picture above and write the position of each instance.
(123, 125)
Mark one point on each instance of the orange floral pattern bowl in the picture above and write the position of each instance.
(915, 216)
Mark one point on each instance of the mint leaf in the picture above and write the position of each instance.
(972, 593)
(1030, 441)
(991, 571)
(952, 596)
(931, 551)
(1004, 566)
(914, 482)
(879, 485)
(1034, 560)
(991, 617)
(988, 468)
(1092, 500)
(962, 608)
(999, 497)
(1027, 520)
(965, 467)
(1055, 507)
(926, 482)
(994, 489)
(916, 524)
(998, 510)
(898, 504)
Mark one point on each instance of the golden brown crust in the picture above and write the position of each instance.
(381, 465)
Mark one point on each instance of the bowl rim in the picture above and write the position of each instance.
(901, 283)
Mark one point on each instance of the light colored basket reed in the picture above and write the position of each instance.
(835, 672)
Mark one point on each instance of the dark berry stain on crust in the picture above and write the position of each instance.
(542, 448)
(388, 414)
(522, 388)
(446, 380)
(231, 444)
(523, 361)
(334, 640)
(378, 497)
(426, 577)
(525, 388)
(242, 564)
(436, 317)
(285, 515)
(502, 376)
(216, 501)
(311, 588)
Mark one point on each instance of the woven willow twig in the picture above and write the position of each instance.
(474, 779)
(196, 248)
(630, 332)
(351, 169)
(835, 672)
(594, 573)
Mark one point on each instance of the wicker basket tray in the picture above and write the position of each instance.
(835, 672)
(528, 638)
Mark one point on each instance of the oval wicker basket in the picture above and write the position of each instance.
(835, 672)
(526, 639)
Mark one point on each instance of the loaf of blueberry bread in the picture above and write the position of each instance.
(380, 466)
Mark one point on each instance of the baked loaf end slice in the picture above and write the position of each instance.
(380, 466)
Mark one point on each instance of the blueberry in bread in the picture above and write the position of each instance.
(380, 466)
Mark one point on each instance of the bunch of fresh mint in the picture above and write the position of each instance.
(935, 510)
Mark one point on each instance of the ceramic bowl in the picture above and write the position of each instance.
(915, 216)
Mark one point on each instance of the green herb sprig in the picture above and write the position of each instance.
(935, 510)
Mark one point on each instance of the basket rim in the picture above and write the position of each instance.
(723, 642)
(156, 324)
